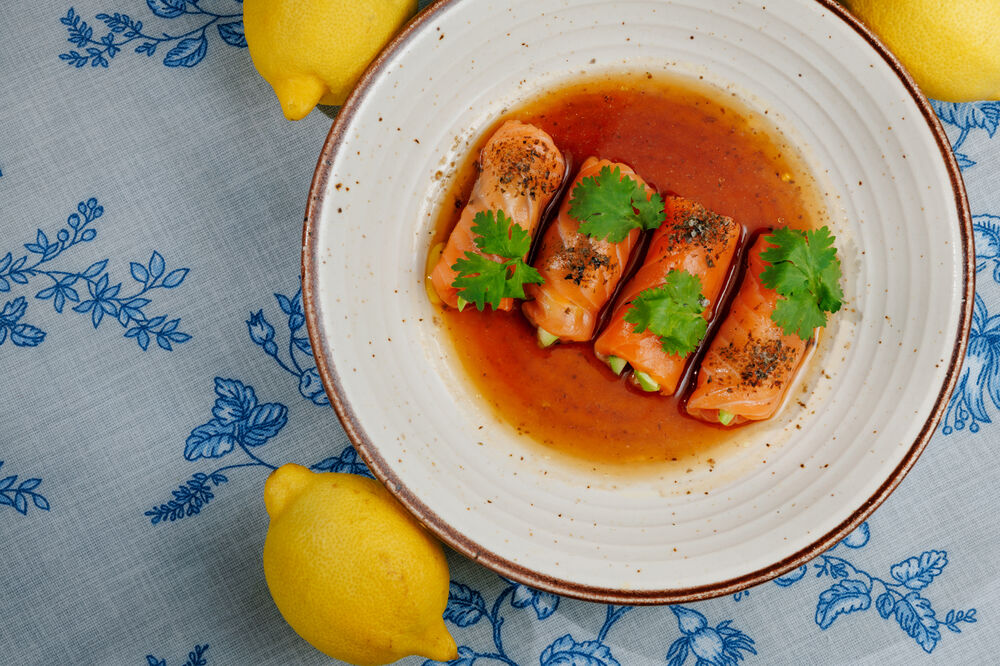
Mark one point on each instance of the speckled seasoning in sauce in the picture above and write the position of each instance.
(681, 137)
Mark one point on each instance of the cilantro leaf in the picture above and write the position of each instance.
(609, 206)
(483, 280)
(805, 271)
(799, 316)
(497, 234)
(480, 279)
(672, 311)
(521, 275)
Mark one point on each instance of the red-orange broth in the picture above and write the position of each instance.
(682, 137)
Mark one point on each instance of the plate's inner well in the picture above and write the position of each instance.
(683, 137)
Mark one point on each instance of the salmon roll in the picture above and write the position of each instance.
(520, 170)
(581, 272)
(751, 363)
(692, 239)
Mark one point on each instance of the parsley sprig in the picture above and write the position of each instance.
(805, 271)
(672, 311)
(610, 206)
(482, 280)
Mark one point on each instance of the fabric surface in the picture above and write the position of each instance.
(151, 199)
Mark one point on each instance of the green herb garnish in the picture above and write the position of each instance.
(482, 280)
(610, 206)
(672, 311)
(805, 270)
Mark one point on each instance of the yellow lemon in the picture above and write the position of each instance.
(949, 46)
(351, 571)
(313, 51)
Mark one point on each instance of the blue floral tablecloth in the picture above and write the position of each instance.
(155, 367)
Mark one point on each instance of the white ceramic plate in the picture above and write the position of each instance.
(793, 486)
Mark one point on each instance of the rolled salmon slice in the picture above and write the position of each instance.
(692, 239)
(520, 170)
(581, 272)
(751, 363)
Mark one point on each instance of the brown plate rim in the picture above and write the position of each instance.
(461, 543)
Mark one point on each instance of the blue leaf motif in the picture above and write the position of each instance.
(984, 115)
(13, 310)
(847, 596)
(286, 305)
(235, 401)
(95, 269)
(963, 160)
(916, 617)
(302, 344)
(232, 33)
(188, 52)
(347, 462)
(40, 502)
(166, 8)
(24, 335)
(156, 265)
(211, 440)
(263, 423)
(885, 604)
(29, 484)
(465, 605)
(916, 573)
(567, 652)
(678, 653)
(139, 272)
(175, 278)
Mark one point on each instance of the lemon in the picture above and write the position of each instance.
(949, 46)
(351, 571)
(313, 51)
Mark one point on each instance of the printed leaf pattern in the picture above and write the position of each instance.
(967, 117)
(184, 49)
(21, 495)
(916, 617)
(977, 394)
(894, 598)
(347, 462)
(465, 605)
(91, 290)
(299, 361)
(916, 573)
(239, 423)
(844, 597)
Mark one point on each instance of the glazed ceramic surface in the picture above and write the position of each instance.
(783, 490)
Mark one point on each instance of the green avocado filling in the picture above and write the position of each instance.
(546, 339)
(646, 383)
(616, 364)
